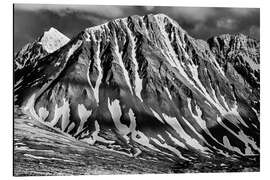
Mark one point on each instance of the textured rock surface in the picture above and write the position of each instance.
(142, 85)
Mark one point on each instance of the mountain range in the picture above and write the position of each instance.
(143, 86)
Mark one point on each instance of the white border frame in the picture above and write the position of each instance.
(6, 47)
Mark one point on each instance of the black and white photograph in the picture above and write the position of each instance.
(121, 89)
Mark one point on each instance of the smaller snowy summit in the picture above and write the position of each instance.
(53, 40)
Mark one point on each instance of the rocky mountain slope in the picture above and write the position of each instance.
(142, 85)
(28, 56)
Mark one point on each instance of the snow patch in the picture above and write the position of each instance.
(63, 112)
(35, 157)
(242, 137)
(224, 102)
(176, 141)
(47, 158)
(235, 112)
(159, 136)
(83, 114)
(214, 61)
(227, 144)
(166, 146)
(29, 107)
(70, 127)
(194, 130)
(132, 121)
(248, 141)
(143, 140)
(138, 136)
(157, 115)
(24, 148)
(172, 121)
(116, 114)
(43, 113)
(168, 92)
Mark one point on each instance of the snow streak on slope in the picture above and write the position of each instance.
(168, 52)
(175, 62)
(242, 137)
(120, 61)
(194, 131)
(194, 71)
(227, 144)
(132, 126)
(168, 92)
(177, 142)
(157, 115)
(200, 121)
(29, 107)
(83, 114)
(138, 80)
(173, 122)
(174, 150)
(98, 62)
(73, 48)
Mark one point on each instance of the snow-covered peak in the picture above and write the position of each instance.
(53, 40)
(160, 19)
(162, 16)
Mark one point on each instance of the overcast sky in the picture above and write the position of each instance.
(31, 20)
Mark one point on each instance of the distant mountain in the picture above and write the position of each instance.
(49, 42)
(141, 85)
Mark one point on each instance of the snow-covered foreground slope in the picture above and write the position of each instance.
(40, 150)
(142, 85)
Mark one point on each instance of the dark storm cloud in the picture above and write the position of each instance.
(30, 20)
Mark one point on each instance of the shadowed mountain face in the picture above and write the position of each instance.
(142, 85)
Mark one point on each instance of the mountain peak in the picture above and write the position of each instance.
(53, 40)
(152, 23)
(161, 15)
(141, 82)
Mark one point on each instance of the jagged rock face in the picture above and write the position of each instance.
(49, 42)
(28, 57)
(30, 52)
(239, 56)
(142, 84)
